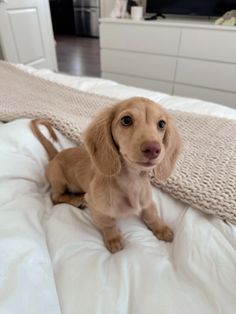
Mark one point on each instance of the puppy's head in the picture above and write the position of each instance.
(137, 131)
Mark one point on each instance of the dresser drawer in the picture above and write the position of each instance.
(140, 38)
(208, 44)
(155, 85)
(220, 76)
(219, 97)
(138, 64)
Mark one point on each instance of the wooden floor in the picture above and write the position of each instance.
(78, 55)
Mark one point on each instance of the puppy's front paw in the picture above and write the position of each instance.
(115, 244)
(164, 234)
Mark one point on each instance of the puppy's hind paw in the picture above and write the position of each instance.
(165, 234)
(83, 205)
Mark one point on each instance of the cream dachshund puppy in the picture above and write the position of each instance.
(110, 172)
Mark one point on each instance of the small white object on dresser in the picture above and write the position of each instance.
(192, 58)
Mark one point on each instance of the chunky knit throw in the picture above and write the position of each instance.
(205, 174)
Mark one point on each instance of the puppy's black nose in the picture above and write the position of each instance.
(150, 149)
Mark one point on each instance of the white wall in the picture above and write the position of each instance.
(1, 54)
(106, 7)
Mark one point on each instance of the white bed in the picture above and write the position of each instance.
(53, 260)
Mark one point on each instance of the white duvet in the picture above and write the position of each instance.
(52, 258)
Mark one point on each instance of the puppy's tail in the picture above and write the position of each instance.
(50, 149)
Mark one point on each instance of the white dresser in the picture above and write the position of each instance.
(188, 58)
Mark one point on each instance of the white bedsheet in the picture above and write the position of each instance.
(53, 259)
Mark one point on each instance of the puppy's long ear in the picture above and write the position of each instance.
(100, 144)
(173, 145)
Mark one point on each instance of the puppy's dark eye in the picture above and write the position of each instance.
(161, 124)
(126, 121)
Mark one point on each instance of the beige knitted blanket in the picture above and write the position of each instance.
(205, 174)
